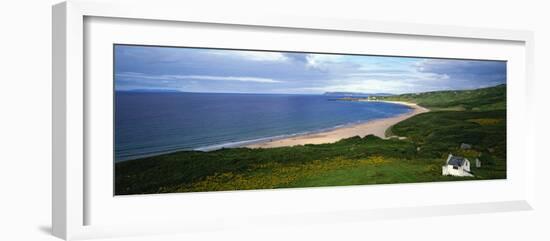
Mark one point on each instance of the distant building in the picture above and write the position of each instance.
(456, 166)
(465, 146)
(478, 163)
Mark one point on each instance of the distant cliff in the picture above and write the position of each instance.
(355, 94)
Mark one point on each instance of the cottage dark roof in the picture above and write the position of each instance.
(456, 161)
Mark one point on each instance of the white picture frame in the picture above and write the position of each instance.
(72, 191)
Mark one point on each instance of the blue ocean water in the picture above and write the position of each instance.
(153, 123)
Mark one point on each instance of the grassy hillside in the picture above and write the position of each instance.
(492, 98)
(476, 117)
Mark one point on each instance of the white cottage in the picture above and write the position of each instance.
(457, 166)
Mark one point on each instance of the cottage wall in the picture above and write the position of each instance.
(467, 165)
(460, 172)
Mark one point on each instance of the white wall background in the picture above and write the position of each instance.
(25, 119)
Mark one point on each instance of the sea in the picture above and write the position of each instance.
(152, 123)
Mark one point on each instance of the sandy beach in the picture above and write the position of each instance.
(374, 127)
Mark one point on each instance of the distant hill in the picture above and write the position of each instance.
(355, 94)
(491, 98)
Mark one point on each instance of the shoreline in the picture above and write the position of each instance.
(376, 127)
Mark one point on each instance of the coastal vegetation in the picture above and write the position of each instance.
(476, 117)
(491, 98)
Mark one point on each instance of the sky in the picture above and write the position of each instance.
(240, 71)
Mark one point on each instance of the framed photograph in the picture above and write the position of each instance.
(180, 121)
(193, 119)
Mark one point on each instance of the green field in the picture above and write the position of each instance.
(476, 117)
(492, 98)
